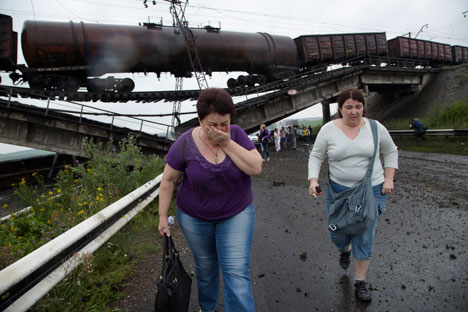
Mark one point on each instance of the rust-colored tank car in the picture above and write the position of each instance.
(116, 49)
(66, 56)
(8, 43)
(459, 54)
(403, 47)
(316, 49)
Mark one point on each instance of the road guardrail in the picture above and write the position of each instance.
(27, 280)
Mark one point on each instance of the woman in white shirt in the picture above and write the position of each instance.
(277, 138)
(348, 144)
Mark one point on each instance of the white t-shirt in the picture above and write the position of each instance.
(349, 159)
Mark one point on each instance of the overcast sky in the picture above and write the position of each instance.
(445, 22)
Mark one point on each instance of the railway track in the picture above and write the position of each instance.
(313, 74)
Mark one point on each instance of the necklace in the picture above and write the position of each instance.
(215, 153)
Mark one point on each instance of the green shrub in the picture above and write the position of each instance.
(80, 192)
(454, 116)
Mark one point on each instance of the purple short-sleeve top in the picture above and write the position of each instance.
(210, 191)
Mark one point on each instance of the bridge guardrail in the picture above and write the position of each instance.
(27, 280)
(431, 132)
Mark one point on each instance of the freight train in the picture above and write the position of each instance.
(67, 56)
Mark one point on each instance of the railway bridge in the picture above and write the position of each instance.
(42, 128)
(307, 90)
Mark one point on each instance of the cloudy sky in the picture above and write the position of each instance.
(436, 20)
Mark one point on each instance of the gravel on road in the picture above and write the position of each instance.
(419, 259)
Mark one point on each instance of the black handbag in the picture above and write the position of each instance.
(354, 210)
(174, 284)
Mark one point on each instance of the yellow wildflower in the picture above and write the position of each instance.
(34, 174)
(59, 191)
(99, 189)
(80, 212)
(88, 170)
(5, 206)
(48, 221)
(12, 228)
(51, 193)
(75, 181)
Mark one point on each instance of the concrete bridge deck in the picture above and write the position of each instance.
(46, 129)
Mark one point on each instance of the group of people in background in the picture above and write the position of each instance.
(281, 137)
(215, 209)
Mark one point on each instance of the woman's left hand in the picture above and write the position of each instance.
(387, 186)
(217, 136)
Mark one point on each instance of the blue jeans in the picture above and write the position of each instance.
(363, 243)
(264, 148)
(224, 244)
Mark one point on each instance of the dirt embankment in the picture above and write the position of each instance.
(447, 87)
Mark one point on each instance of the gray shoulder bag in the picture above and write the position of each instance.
(354, 210)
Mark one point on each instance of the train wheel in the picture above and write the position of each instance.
(242, 80)
(127, 85)
(261, 79)
(232, 83)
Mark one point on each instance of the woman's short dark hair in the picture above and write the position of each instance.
(213, 100)
(351, 93)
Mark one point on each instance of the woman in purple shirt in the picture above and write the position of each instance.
(215, 200)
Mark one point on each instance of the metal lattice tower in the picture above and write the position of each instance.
(181, 25)
(176, 107)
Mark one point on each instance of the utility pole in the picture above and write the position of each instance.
(409, 35)
(178, 18)
(180, 23)
(421, 30)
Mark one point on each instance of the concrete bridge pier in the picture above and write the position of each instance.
(326, 109)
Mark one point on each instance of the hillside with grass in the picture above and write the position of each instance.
(443, 103)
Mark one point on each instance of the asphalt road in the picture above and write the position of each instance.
(419, 259)
(420, 262)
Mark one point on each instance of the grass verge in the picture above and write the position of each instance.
(80, 192)
(454, 116)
